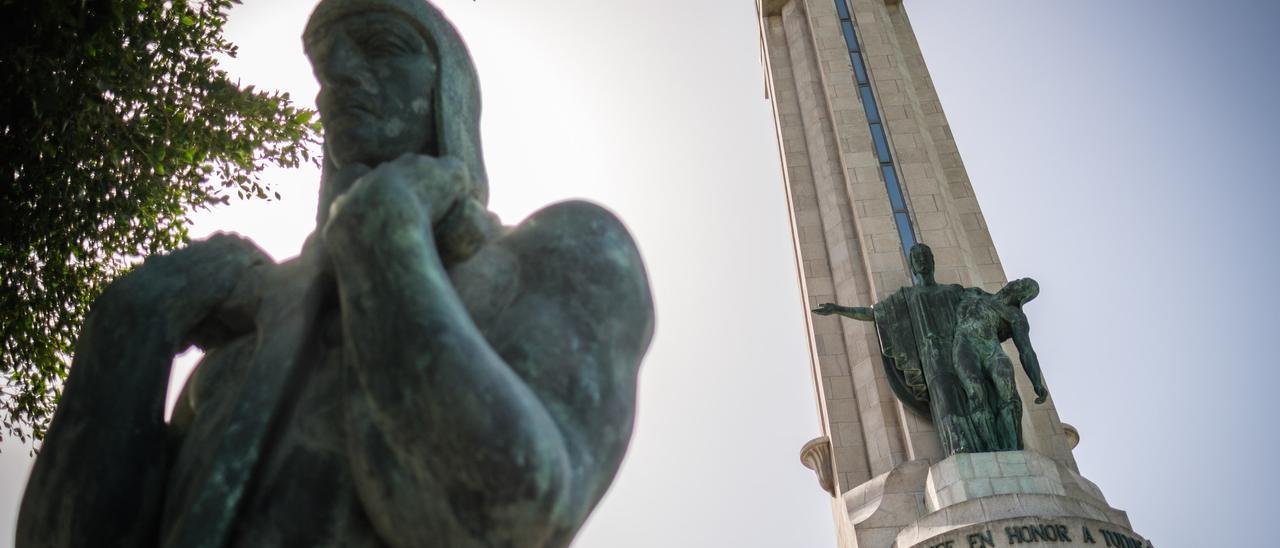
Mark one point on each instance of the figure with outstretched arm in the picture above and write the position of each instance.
(940, 345)
(914, 326)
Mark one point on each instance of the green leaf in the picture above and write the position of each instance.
(109, 145)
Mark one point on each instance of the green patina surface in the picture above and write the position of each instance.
(420, 376)
(941, 346)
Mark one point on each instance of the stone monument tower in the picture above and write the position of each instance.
(872, 169)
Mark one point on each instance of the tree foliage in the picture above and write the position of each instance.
(115, 121)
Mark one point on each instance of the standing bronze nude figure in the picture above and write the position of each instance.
(986, 372)
(421, 376)
(942, 352)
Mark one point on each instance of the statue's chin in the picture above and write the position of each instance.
(345, 149)
(357, 147)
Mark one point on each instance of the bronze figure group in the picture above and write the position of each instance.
(941, 345)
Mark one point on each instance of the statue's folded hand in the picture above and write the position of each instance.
(438, 183)
(412, 181)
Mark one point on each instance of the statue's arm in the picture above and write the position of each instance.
(99, 477)
(453, 434)
(1021, 330)
(102, 464)
(581, 331)
(861, 313)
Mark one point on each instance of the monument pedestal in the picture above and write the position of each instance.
(978, 500)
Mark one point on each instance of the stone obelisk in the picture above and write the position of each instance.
(872, 168)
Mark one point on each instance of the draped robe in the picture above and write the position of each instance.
(917, 325)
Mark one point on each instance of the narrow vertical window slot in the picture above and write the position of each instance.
(889, 171)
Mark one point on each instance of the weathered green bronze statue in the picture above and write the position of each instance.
(421, 376)
(942, 353)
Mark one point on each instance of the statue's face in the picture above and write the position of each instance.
(377, 75)
(921, 259)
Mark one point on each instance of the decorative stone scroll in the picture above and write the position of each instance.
(816, 456)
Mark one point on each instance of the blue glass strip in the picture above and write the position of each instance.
(859, 70)
(895, 192)
(882, 144)
(901, 219)
(869, 103)
(904, 230)
(842, 10)
(849, 37)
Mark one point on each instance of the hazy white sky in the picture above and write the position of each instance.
(1122, 153)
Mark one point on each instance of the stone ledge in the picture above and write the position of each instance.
(968, 476)
(917, 501)
(892, 499)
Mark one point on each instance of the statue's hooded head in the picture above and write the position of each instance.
(395, 78)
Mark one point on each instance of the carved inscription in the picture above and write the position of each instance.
(1046, 533)
(1037, 533)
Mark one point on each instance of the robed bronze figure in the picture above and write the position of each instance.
(421, 376)
(941, 347)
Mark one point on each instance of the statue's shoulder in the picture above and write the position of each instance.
(580, 252)
(578, 220)
(590, 236)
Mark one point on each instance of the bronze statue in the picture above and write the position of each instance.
(419, 376)
(941, 350)
(986, 372)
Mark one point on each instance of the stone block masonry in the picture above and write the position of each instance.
(852, 129)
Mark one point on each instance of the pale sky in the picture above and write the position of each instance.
(1123, 154)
